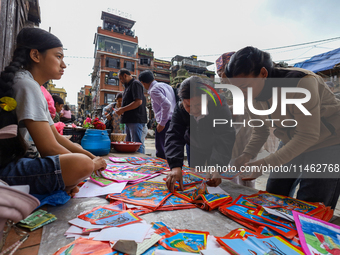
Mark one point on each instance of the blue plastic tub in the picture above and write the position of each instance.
(96, 141)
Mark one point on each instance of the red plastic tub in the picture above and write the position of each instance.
(126, 146)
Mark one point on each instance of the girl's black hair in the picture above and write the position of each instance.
(66, 108)
(191, 87)
(57, 99)
(248, 60)
(27, 39)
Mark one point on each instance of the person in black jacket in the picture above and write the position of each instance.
(210, 147)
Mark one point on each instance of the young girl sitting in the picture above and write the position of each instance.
(38, 57)
(65, 114)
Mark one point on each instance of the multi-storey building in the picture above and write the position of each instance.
(184, 67)
(160, 68)
(115, 47)
(84, 101)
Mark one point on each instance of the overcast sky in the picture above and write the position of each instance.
(203, 28)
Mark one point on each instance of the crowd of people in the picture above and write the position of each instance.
(185, 117)
(118, 29)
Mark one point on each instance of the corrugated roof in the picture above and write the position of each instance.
(321, 62)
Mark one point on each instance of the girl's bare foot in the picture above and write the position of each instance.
(71, 192)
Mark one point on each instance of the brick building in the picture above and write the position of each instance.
(84, 101)
(184, 67)
(116, 47)
(160, 68)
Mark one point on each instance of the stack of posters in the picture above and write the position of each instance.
(37, 220)
(241, 241)
(317, 237)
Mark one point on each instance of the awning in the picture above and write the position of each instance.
(322, 62)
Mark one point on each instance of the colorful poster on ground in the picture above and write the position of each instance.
(185, 241)
(149, 194)
(254, 246)
(118, 159)
(316, 236)
(97, 178)
(118, 220)
(245, 216)
(146, 169)
(81, 245)
(114, 167)
(191, 178)
(174, 203)
(123, 176)
(97, 213)
(269, 200)
(139, 160)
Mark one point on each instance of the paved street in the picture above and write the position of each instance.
(260, 183)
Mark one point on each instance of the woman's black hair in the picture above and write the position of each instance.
(248, 60)
(191, 87)
(27, 39)
(119, 95)
(57, 99)
(66, 108)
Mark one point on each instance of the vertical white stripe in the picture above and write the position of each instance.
(204, 104)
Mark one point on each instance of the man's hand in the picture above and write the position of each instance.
(120, 111)
(173, 176)
(242, 160)
(256, 170)
(108, 117)
(215, 180)
(160, 128)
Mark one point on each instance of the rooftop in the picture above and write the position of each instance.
(117, 20)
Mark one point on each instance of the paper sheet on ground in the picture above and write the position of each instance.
(93, 234)
(75, 236)
(215, 251)
(212, 243)
(74, 230)
(90, 189)
(142, 247)
(165, 252)
(279, 214)
(85, 224)
(216, 190)
(135, 232)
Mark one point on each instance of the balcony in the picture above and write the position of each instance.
(128, 37)
(119, 29)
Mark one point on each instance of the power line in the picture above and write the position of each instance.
(300, 44)
(308, 57)
(281, 47)
(275, 48)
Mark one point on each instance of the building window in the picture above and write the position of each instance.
(113, 63)
(109, 98)
(112, 47)
(112, 78)
(145, 61)
(160, 75)
(129, 50)
(129, 65)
